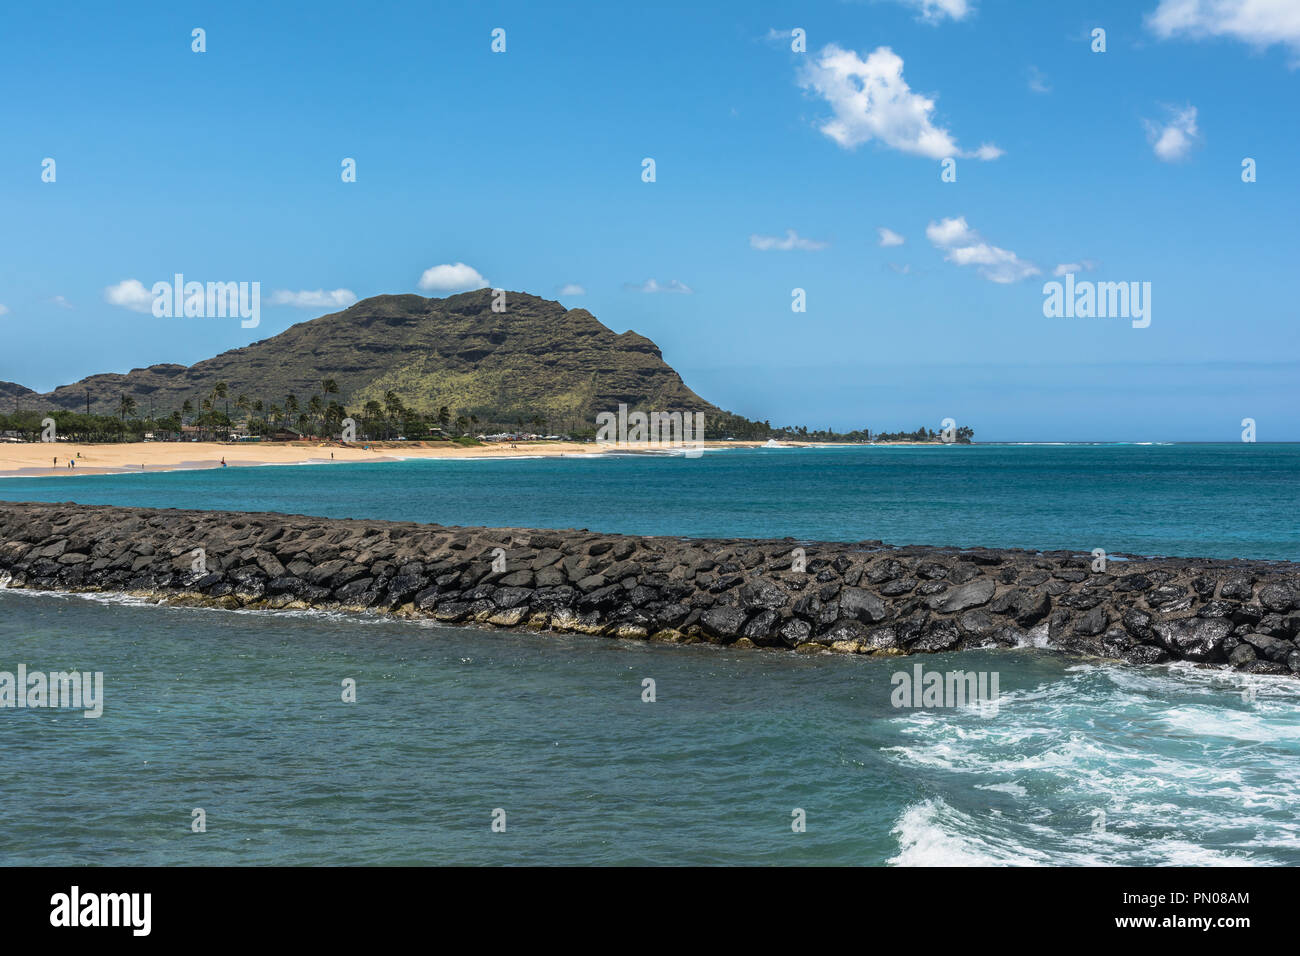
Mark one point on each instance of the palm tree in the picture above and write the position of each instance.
(392, 410)
(187, 409)
(315, 406)
(126, 407)
(462, 424)
(329, 386)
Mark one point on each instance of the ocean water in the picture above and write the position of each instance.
(240, 713)
(1222, 501)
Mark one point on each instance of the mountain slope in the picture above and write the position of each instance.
(535, 358)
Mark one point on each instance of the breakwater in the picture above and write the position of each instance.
(862, 597)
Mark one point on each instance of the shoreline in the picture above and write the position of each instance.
(806, 597)
(28, 459)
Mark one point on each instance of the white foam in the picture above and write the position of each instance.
(931, 833)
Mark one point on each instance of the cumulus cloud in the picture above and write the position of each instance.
(1174, 139)
(130, 294)
(61, 302)
(889, 238)
(871, 100)
(452, 278)
(1083, 265)
(792, 240)
(572, 288)
(935, 11)
(318, 299)
(654, 285)
(1038, 81)
(1261, 23)
(963, 246)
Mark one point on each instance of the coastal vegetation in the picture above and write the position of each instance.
(391, 420)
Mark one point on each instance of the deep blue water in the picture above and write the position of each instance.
(240, 713)
(1223, 501)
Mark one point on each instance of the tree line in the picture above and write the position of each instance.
(209, 418)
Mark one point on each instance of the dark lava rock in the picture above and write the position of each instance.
(795, 632)
(940, 636)
(898, 586)
(724, 621)
(1274, 648)
(862, 605)
(1277, 597)
(1138, 623)
(1032, 607)
(977, 592)
(1092, 623)
(1194, 638)
(759, 593)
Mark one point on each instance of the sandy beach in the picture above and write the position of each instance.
(38, 460)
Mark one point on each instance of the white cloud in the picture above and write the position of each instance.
(901, 269)
(889, 238)
(1260, 23)
(61, 302)
(1083, 265)
(4, 309)
(792, 240)
(1038, 81)
(318, 299)
(965, 247)
(452, 278)
(950, 232)
(871, 100)
(936, 10)
(1173, 140)
(130, 294)
(654, 285)
(572, 288)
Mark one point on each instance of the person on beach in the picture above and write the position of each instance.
(223, 462)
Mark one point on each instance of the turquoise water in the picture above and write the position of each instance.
(240, 713)
(1220, 501)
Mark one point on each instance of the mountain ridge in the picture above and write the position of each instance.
(537, 357)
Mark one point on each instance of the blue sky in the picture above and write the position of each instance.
(526, 166)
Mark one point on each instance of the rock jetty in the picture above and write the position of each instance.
(855, 598)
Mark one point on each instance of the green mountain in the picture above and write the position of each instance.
(536, 358)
